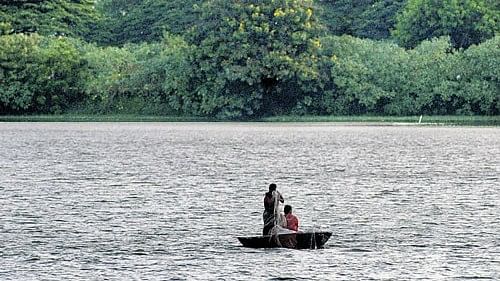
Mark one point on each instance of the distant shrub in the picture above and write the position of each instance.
(38, 74)
(381, 78)
(138, 78)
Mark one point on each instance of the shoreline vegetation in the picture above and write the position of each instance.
(224, 60)
(453, 120)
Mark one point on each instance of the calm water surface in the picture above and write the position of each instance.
(165, 201)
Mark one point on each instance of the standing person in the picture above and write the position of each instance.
(271, 201)
(292, 222)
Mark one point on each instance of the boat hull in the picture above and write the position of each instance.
(299, 240)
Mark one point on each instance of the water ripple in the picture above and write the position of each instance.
(165, 201)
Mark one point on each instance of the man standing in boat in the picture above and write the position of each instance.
(271, 201)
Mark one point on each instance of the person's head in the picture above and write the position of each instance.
(272, 187)
(288, 209)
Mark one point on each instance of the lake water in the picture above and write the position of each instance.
(165, 201)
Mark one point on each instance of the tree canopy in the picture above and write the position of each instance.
(467, 22)
(136, 21)
(73, 18)
(378, 19)
(249, 58)
(38, 73)
(362, 18)
(253, 56)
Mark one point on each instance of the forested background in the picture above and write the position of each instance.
(248, 59)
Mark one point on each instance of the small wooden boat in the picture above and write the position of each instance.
(298, 240)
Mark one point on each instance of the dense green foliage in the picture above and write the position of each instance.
(467, 22)
(254, 58)
(378, 19)
(137, 21)
(382, 78)
(137, 79)
(339, 15)
(49, 17)
(38, 74)
(361, 18)
(249, 59)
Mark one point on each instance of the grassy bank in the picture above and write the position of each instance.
(426, 120)
(99, 118)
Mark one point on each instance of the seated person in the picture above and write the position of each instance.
(292, 222)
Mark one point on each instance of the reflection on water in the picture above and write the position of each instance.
(148, 201)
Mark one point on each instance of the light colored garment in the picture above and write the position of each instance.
(282, 220)
(277, 230)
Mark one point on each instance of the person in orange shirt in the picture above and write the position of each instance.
(292, 222)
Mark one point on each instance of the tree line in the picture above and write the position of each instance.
(248, 59)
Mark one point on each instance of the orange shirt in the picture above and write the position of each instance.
(292, 222)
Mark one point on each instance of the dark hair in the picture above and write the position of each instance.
(288, 209)
(272, 187)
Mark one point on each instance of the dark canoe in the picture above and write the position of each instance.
(299, 240)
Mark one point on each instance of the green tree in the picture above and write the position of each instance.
(467, 22)
(49, 17)
(106, 76)
(16, 59)
(147, 78)
(427, 69)
(254, 57)
(379, 77)
(137, 21)
(38, 74)
(369, 77)
(377, 20)
(339, 15)
(473, 85)
(361, 18)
